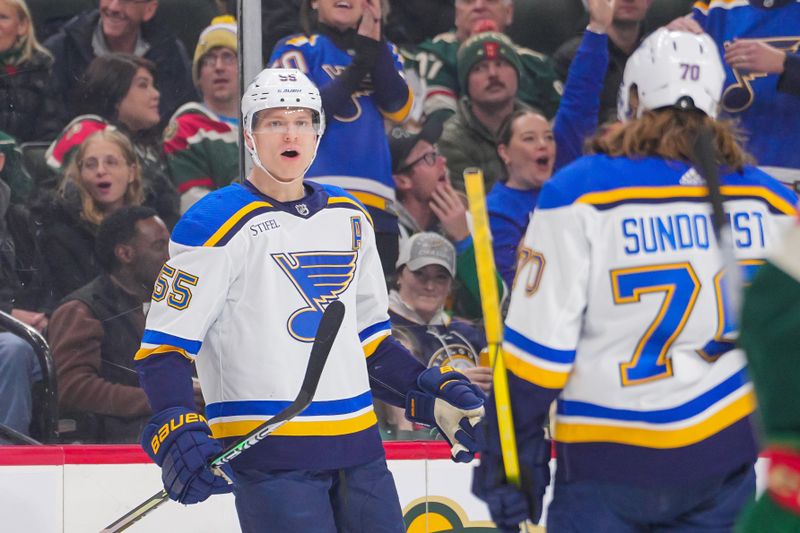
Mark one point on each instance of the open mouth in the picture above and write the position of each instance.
(291, 154)
(104, 185)
(542, 162)
(343, 5)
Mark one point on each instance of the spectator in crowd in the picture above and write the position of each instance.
(762, 66)
(358, 91)
(488, 68)
(121, 26)
(426, 268)
(103, 176)
(426, 201)
(532, 149)
(437, 61)
(96, 330)
(119, 90)
(29, 109)
(201, 140)
(19, 367)
(624, 35)
(12, 171)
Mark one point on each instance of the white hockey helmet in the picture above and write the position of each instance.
(672, 69)
(280, 88)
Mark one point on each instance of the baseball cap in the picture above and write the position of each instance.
(402, 141)
(221, 32)
(427, 248)
(486, 45)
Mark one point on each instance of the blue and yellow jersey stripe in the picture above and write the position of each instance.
(157, 342)
(536, 363)
(372, 336)
(691, 422)
(323, 418)
(605, 182)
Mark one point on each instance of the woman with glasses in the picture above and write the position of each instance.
(103, 176)
(360, 78)
(119, 91)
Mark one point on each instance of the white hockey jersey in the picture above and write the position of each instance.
(618, 300)
(242, 295)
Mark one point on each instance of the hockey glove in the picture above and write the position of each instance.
(180, 442)
(448, 400)
(508, 505)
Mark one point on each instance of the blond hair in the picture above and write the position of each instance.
(28, 40)
(670, 134)
(90, 209)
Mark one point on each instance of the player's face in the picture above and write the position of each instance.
(151, 247)
(422, 176)
(531, 152)
(105, 174)
(12, 26)
(631, 11)
(426, 289)
(341, 14)
(470, 12)
(122, 18)
(139, 109)
(492, 82)
(219, 76)
(285, 139)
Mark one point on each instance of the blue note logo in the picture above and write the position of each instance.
(319, 277)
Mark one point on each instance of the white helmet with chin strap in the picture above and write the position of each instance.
(672, 69)
(280, 88)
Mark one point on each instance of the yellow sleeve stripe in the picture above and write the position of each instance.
(401, 114)
(144, 353)
(295, 428)
(651, 438)
(630, 193)
(372, 345)
(371, 200)
(534, 374)
(346, 200)
(233, 221)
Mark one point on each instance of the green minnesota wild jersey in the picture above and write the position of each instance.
(435, 62)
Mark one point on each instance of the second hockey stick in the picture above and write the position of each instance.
(705, 161)
(326, 334)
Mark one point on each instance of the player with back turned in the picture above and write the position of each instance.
(252, 267)
(619, 312)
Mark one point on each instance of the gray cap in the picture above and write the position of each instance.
(427, 248)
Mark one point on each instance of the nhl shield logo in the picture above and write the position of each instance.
(302, 209)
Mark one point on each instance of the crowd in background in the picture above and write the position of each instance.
(114, 123)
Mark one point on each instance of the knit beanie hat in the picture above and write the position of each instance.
(486, 45)
(221, 32)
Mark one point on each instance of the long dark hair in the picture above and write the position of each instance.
(106, 82)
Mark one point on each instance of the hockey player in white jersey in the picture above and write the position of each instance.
(618, 312)
(252, 267)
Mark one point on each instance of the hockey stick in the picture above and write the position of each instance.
(487, 282)
(326, 334)
(705, 161)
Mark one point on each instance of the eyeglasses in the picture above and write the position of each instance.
(227, 57)
(92, 163)
(429, 158)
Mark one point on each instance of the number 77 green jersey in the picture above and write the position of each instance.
(618, 309)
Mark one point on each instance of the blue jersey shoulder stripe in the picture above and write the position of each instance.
(539, 350)
(271, 407)
(159, 338)
(338, 197)
(600, 180)
(216, 217)
(663, 416)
